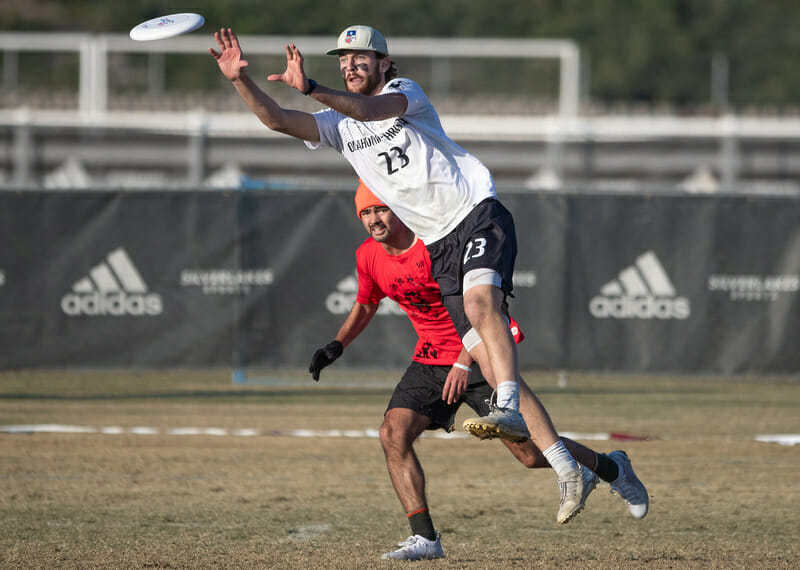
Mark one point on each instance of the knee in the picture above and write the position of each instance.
(529, 455)
(392, 436)
(478, 305)
(535, 460)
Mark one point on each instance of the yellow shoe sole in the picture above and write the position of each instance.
(487, 430)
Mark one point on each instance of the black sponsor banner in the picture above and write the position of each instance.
(262, 279)
(646, 276)
(94, 279)
(539, 297)
(309, 240)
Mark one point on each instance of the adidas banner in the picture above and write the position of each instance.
(630, 283)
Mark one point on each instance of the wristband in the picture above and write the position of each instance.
(311, 86)
(462, 367)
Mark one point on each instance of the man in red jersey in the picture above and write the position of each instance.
(393, 263)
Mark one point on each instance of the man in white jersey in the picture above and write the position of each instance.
(390, 133)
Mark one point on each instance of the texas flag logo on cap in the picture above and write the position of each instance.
(351, 35)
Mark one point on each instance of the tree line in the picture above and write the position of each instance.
(676, 52)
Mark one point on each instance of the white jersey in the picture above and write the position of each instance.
(428, 181)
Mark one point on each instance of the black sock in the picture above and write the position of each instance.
(421, 523)
(607, 468)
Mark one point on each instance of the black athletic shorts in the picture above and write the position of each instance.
(486, 238)
(420, 390)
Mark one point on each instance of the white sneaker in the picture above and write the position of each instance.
(417, 548)
(590, 481)
(504, 423)
(628, 486)
(575, 488)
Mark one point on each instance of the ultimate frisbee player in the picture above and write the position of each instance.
(390, 133)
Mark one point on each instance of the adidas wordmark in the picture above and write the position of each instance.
(112, 288)
(641, 291)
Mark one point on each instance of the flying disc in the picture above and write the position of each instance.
(166, 27)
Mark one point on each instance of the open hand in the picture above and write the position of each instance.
(294, 76)
(229, 56)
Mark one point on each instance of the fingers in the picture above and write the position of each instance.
(450, 391)
(446, 393)
(234, 40)
(293, 53)
(226, 39)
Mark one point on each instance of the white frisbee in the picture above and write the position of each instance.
(166, 27)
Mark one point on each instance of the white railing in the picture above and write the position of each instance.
(519, 134)
(93, 51)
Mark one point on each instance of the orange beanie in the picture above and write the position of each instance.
(365, 199)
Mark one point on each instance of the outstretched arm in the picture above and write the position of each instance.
(233, 67)
(354, 105)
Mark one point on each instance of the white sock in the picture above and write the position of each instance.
(508, 395)
(560, 458)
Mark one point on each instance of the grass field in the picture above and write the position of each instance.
(135, 498)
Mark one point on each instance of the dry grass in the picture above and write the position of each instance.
(719, 499)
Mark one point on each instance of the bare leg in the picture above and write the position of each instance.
(531, 457)
(541, 427)
(482, 305)
(400, 428)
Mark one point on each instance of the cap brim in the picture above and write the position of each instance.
(338, 51)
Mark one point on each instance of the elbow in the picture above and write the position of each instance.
(273, 124)
(363, 116)
(368, 115)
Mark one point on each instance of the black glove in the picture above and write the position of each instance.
(324, 356)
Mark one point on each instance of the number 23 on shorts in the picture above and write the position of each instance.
(475, 248)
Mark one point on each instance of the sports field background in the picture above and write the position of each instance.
(135, 494)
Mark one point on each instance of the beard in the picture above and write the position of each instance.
(381, 238)
(367, 87)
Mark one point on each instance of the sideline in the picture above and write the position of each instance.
(367, 433)
(782, 439)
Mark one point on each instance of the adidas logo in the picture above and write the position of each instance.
(113, 287)
(342, 300)
(641, 291)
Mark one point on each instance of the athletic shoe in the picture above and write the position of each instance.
(628, 486)
(504, 423)
(575, 488)
(417, 548)
(590, 480)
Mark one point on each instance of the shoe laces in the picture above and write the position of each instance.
(494, 409)
(564, 485)
(624, 489)
(492, 401)
(410, 541)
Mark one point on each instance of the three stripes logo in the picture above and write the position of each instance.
(340, 302)
(641, 291)
(113, 287)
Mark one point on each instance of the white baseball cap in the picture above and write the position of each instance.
(362, 38)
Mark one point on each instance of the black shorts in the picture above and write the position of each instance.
(420, 390)
(486, 238)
